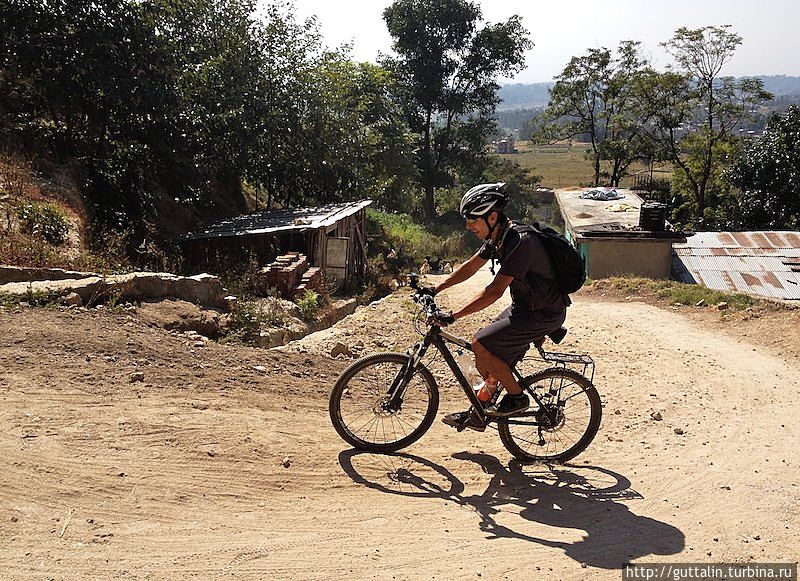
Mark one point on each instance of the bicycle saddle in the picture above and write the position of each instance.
(555, 336)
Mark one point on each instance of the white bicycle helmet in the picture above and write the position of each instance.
(483, 199)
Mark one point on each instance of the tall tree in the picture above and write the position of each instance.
(330, 129)
(446, 68)
(594, 96)
(707, 106)
(768, 176)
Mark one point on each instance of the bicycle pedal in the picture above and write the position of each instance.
(461, 421)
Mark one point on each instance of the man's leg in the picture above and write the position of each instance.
(501, 343)
(487, 363)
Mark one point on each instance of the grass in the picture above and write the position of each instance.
(563, 165)
(416, 240)
(31, 298)
(673, 292)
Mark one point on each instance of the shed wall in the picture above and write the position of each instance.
(611, 256)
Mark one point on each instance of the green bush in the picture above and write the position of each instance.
(416, 240)
(31, 297)
(273, 313)
(309, 305)
(245, 321)
(674, 291)
(44, 220)
(692, 294)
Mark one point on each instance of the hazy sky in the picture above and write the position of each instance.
(560, 30)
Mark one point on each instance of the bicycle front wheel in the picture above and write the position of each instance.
(560, 429)
(363, 413)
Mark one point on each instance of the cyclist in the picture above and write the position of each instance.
(538, 306)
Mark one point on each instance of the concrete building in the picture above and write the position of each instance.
(505, 145)
(617, 236)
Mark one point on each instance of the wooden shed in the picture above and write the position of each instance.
(331, 236)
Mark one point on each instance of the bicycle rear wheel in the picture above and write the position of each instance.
(361, 412)
(560, 430)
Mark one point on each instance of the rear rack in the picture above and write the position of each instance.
(568, 358)
(580, 363)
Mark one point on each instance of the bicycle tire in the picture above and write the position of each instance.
(521, 434)
(358, 392)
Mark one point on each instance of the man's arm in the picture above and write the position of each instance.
(462, 273)
(486, 297)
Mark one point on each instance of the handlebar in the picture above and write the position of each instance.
(426, 301)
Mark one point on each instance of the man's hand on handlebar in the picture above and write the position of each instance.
(427, 290)
(424, 296)
(443, 319)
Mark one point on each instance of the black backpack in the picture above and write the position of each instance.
(568, 264)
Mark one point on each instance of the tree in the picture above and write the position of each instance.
(595, 96)
(768, 176)
(218, 83)
(330, 129)
(704, 107)
(445, 68)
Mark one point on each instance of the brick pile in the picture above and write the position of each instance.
(290, 274)
(311, 280)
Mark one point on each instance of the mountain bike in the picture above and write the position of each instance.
(386, 401)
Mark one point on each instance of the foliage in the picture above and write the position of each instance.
(245, 319)
(696, 110)
(271, 308)
(186, 98)
(768, 176)
(308, 304)
(720, 206)
(329, 126)
(672, 292)
(595, 95)
(45, 220)
(31, 298)
(412, 242)
(445, 73)
(250, 313)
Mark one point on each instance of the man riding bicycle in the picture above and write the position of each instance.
(538, 307)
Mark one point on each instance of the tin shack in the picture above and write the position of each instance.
(331, 236)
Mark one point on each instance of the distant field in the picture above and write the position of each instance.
(561, 165)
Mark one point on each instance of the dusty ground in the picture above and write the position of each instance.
(219, 461)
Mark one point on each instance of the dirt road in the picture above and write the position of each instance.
(130, 452)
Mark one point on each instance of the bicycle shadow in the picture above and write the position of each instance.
(582, 497)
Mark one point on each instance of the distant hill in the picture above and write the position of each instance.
(535, 95)
(781, 85)
(524, 96)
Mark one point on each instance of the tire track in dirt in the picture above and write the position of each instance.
(205, 491)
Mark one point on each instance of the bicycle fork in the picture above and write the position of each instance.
(399, 386)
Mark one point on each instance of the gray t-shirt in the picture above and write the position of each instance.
(534, 287)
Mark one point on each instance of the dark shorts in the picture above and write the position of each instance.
(509, 336)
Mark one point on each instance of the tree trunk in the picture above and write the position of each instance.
(596, 170)
(428, 171)
(428, 206)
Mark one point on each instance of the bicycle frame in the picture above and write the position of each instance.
(439, 338)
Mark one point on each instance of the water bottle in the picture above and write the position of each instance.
(467, 365)
(487, 389)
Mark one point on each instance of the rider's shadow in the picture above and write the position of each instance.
(564, 497)
(577, 498)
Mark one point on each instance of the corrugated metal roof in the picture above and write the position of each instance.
(762, 239)
(280, 220)
(763, 263)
